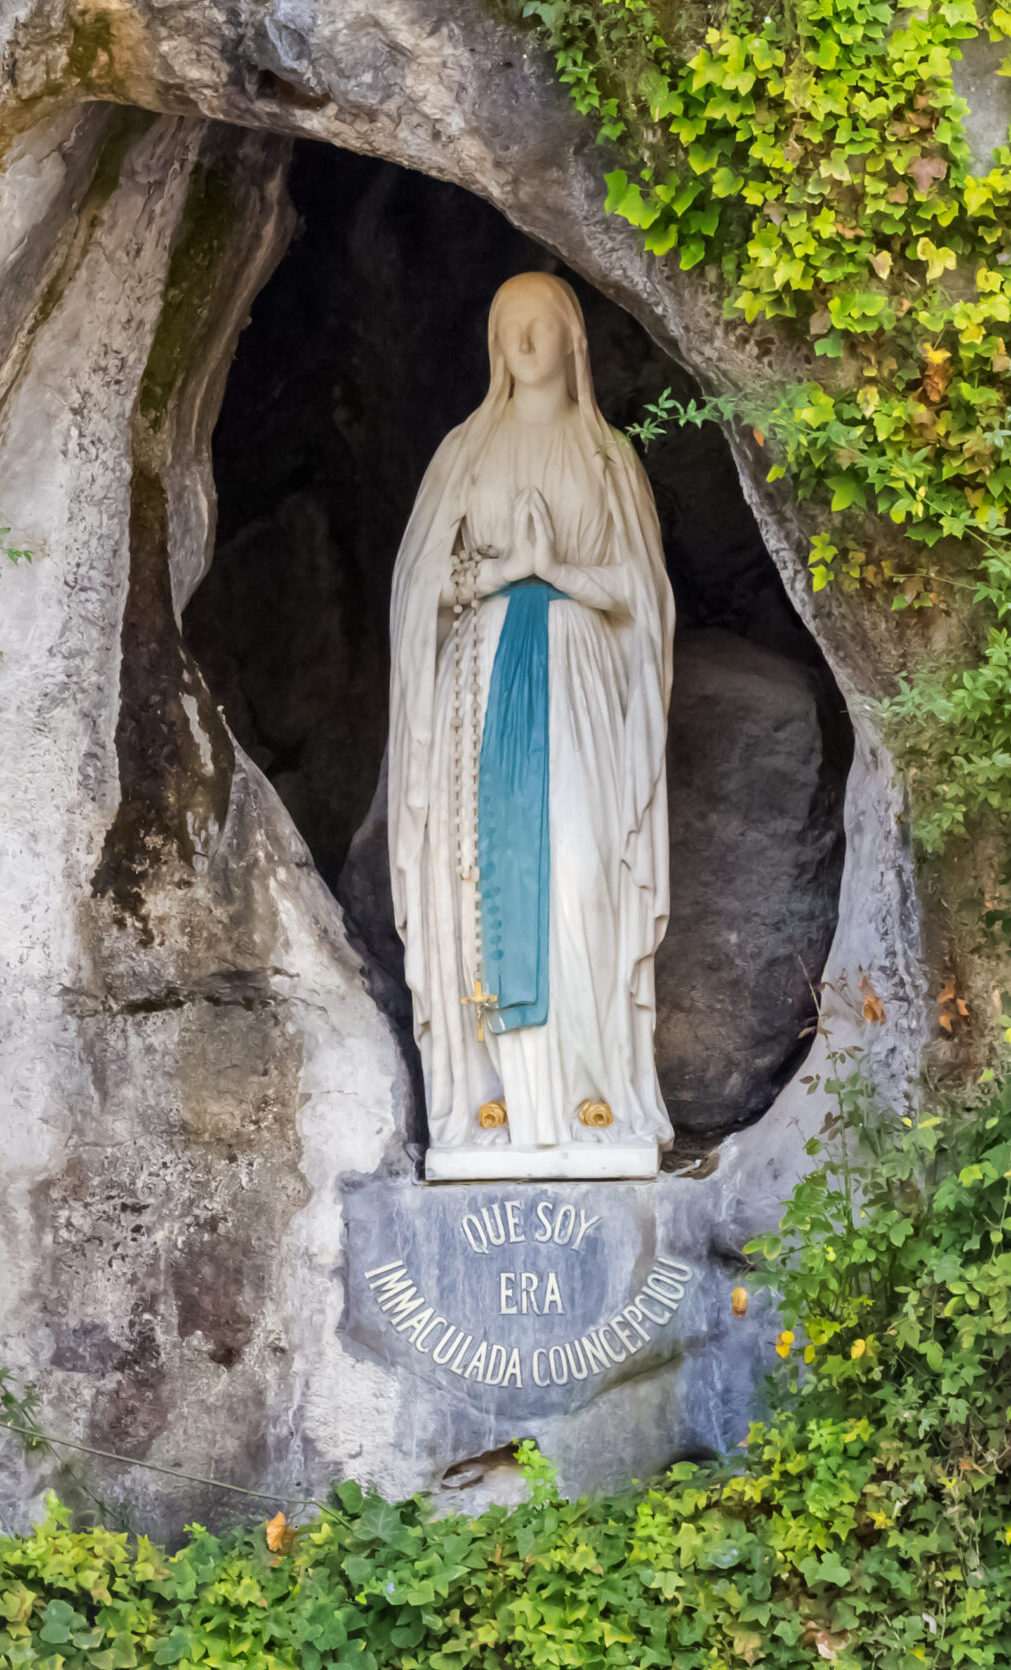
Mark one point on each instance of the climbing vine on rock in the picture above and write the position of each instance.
(819, 160)
(813, 161)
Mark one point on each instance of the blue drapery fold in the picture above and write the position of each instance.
(514, 850)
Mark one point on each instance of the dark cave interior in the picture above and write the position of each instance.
(365, 347)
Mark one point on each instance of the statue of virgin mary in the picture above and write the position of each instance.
(532, 629)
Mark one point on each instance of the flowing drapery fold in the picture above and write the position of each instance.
(609, 675)
(514, 845)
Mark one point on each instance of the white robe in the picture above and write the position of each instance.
(609, 686)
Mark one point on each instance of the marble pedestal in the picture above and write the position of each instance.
(504, 1161)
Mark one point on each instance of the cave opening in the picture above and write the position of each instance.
(365, 347)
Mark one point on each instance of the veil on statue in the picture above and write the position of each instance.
(646, 637)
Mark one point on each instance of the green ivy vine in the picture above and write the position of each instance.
(814, 161)
(864, 1524)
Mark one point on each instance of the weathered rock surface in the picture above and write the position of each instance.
(185, 1030)
(190, 1058)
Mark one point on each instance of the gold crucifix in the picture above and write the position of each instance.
(481, 1000)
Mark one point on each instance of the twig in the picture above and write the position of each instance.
(173, 1472)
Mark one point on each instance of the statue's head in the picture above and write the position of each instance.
(536, 326)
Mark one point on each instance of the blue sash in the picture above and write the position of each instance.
(514, 852)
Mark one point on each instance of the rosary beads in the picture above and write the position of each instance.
(467, 747)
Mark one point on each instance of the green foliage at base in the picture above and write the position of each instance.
(866, 1524)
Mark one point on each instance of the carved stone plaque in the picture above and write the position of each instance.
(522, 1298)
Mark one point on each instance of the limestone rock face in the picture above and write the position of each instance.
(190, 1058)
(197, 1081)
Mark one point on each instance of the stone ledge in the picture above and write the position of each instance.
(583, 1160)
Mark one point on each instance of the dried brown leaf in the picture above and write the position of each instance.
(280, 1535)
(925, 170)
(937, 374)
(873, 1008)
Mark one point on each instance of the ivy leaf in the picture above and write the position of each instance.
(17, 1604)
(662, 237)
(58, 1620)
(828, 1569)
(351, 1495)
(177, 1645)
(938, 260)
(925, 170)
(379, 1522)
(827, 55)
(847, 490)
(89, 1639)
(934, 1355)
(624, 198)
(280, 1535)
(725, 183)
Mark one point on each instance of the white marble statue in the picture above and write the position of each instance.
(532, 627)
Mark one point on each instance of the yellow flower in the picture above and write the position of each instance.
(858, 1348)
(784, 1342)
(1007, 1533)
(830, 1254)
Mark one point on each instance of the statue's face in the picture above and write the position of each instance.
(533, 339)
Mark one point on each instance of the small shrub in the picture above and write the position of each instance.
(866, 1524)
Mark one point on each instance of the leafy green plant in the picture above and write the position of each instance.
(813, 160)
(865, 1524)
(18, 1404)
(14, 554)
(656, 420)
(954, 736)
(817, 162)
